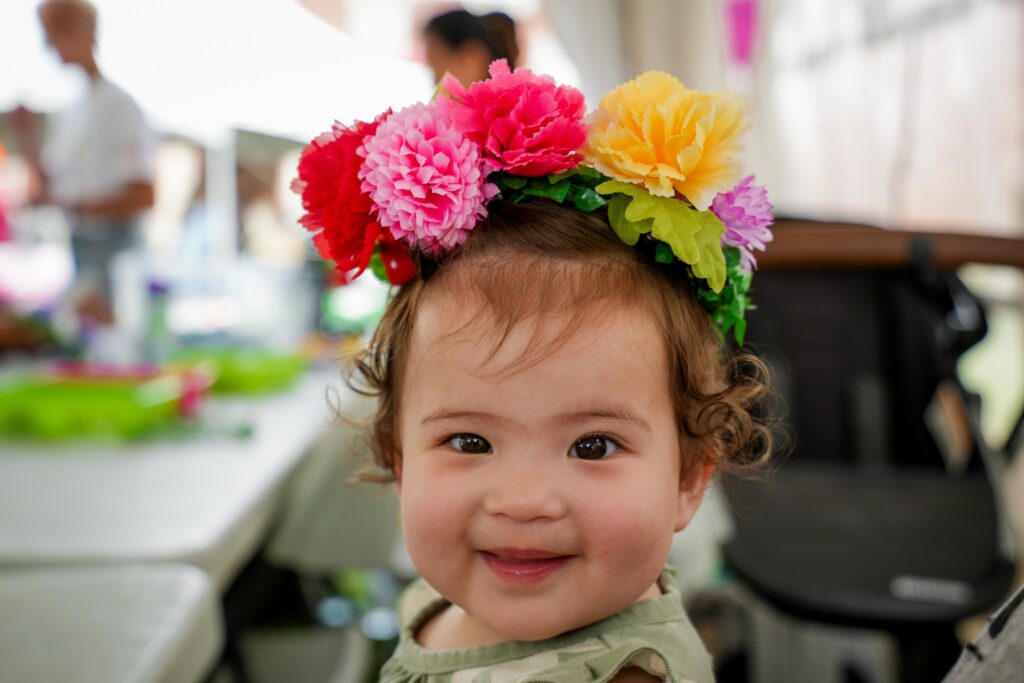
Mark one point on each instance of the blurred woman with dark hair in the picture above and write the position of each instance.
(501, 28)
(463, 44)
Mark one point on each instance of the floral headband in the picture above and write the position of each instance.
(654, 152)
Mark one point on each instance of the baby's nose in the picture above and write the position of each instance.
(525, 492)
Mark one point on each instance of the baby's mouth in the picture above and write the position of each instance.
(523, 565)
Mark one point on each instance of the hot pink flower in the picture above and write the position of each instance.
(525, 123)
(746, 213)
(426, 180)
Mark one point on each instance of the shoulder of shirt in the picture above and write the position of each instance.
(417, 597)
(113, 94)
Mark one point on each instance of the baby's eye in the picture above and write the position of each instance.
(469, 443)
(593, 448)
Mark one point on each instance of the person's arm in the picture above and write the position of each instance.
(125, 203)
(38, 185)
(26, 135)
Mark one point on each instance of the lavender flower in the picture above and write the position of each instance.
(746, 213)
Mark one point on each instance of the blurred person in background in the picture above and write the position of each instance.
(462, 44)
(501, 29)
(97, 161)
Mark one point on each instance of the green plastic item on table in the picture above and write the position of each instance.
(244, 371)
(51, 408)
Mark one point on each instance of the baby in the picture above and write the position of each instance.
(553, 394)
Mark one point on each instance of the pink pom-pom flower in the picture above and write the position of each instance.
(526, 124)
(746, 213)
(426, 180)
(337, 210)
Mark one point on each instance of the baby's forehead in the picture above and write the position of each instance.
(475, 332)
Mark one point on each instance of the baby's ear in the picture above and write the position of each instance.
(691, 491)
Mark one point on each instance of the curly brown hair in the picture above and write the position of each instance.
(541, 259)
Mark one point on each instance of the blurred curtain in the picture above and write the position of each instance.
(888, 111)
(894, 112)
(590, 31)
(613, 40)
(685, 39)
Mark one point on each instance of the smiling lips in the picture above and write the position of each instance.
(519, 565)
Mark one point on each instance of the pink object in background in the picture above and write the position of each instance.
(741, 28)
(5, 227)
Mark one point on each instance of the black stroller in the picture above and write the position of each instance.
(886, 513)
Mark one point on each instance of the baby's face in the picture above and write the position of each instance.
(544, 499)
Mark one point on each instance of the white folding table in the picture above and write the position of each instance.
(206, 501)
(156, 623)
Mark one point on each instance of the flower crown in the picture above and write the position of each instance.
(654, 152)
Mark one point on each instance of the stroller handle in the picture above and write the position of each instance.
(807, 244)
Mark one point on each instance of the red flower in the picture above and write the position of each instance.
(337, 210)
(525, 123)
(398, 264)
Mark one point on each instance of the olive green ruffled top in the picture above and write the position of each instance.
(653, 635)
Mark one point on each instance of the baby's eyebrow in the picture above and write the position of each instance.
(446, 414)
(606, 414)
(619, 414)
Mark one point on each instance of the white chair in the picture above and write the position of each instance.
(327, 522)
(327, 525)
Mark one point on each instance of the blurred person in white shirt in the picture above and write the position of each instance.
(97, 161)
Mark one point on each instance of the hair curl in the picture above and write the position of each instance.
(539, 258)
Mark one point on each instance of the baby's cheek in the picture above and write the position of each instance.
(634, 534)
(419, 515)
(433, 521)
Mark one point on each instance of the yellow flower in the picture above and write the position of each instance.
(657, 133)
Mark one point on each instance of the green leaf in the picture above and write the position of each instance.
(513, 181)
(558, 177)
(589, 177)
(558, 192)
(586, 199)
(376, 265)
(728, 307)
(695, 236)
(663, 253)
(615, 187)
(740, 332)
(627, 230)
(575, 185)
(736, 307)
